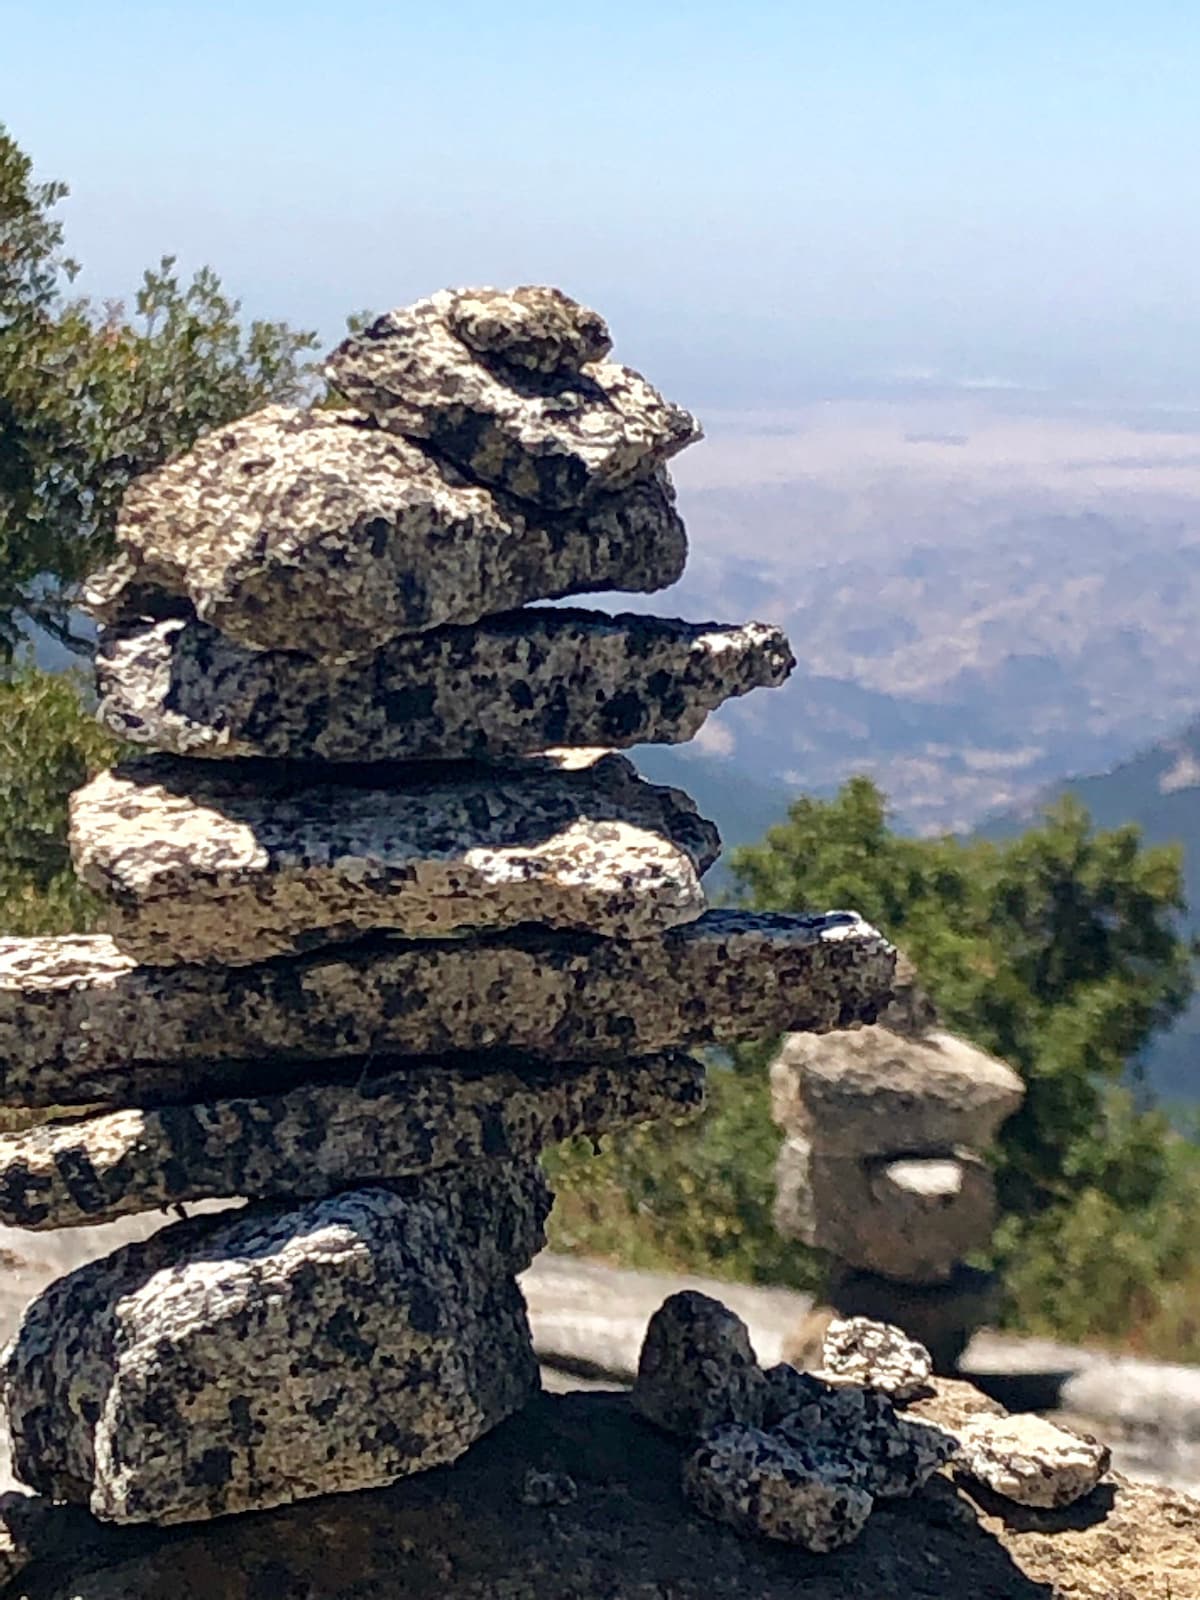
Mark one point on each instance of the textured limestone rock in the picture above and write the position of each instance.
(308, 529)
(1032, 1461)
(912, 1219)
(540, 414)
(876, 1355)
(760, 1484)
(892, 1455)
(245, 1361)
(319, 1138)
(504, 686)
(78, 1019)
(940, 1316)
(697, 1368)
(238, 864)
(875, 1092)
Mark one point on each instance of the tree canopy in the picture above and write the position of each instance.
(92, 394)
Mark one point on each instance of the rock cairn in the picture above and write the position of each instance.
(405, 931)
(882, 1168)
(804, 1457)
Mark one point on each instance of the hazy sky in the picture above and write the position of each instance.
(768, 200)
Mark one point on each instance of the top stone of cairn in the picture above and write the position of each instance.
(514, 388)
(491, 459)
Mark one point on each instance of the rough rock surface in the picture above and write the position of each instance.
(462, 1533)
(234, 1363)
(513, 392)
(892, 1455)
(697, 1369)
(308, 528)
(911, 1219)
(508, 685)
(760, 1483)
(403, 1120)
(78, 1019)
(876, 1092)
(1033, 1461)
(234, 863)
(857, 1350)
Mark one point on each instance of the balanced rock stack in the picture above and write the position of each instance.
(882, 1166)
(408, 928)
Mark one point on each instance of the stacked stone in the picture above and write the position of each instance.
(405, 930)
(883, 1167)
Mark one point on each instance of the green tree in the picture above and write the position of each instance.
(92, 395)
(1060, 951)
(49, 745)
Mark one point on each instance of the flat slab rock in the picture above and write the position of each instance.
(1033, 1461)
(514, 388)
(876, 1092)
(313, 530)
(249, 1360)
(912, 1219)
(508, 685)
(78, 1018)
(240, 863)
(319, 1138)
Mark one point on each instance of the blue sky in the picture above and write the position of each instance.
(768, 200)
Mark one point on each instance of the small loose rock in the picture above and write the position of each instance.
(548, 1488)
(1032, 1461)
(759, 1483)
(698, 1369)
(877, 1355)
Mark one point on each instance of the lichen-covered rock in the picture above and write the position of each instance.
(255, 1358)
(761, 1484)
(512, 387)
(310, 530)
(82, 1022)
(404, 1119)
(912, 1219)
(505, 686)
(697, 1368)
(876, 1355)
(893, 1455)
(234, 863)
(1032, 1461)
(876, 1092)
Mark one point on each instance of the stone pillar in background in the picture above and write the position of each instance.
(882, 1168)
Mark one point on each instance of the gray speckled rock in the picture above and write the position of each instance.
(253, 1359)
(697, 1368)
(239, 863)
(539, 414)
(876, 1092)
(76, 1015)
(876, 1355)
(401, 1121)
(892, 1455)
(508, 685)
(913, 1219)
(310, 529)
(1032, 1461)
(761, 1484)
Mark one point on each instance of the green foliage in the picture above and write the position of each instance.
(91, 396)
(692, 1195)
(1060, 951)
(49, 745)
